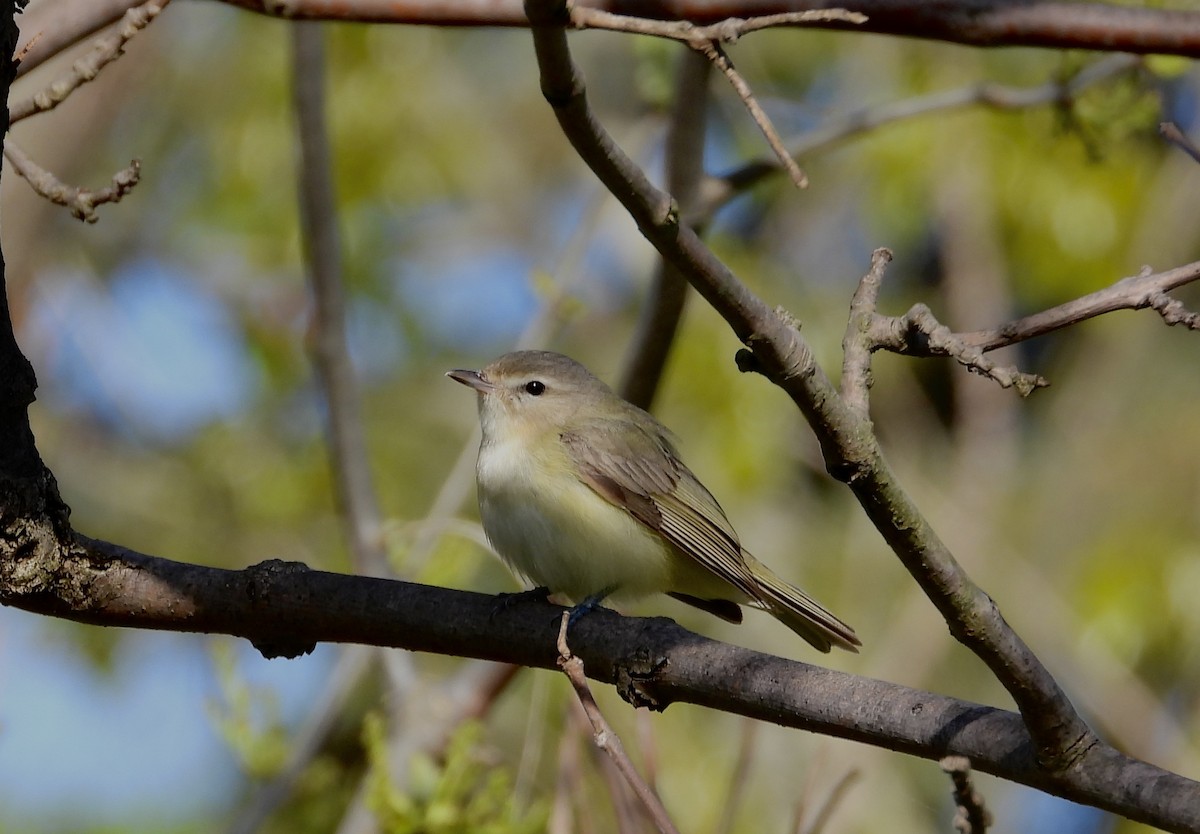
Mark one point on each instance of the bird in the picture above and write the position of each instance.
(585, 494)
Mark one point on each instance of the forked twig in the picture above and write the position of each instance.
(708, 40)
(104, 52)
(81, 201)
(919, 333)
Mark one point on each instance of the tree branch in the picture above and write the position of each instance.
(989, 23)
(1056, 25)
(708, 40)
(81, 201)
(1137, 292)
(916, 332)
(104, 52)
(851, 451)
(718, 191)
(1171, 132)
(51, 26)
(284, 609)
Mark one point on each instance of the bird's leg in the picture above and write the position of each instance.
(589, 604)
(507, 601)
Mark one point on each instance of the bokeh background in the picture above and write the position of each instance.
(178, 410)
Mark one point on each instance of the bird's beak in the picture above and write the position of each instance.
(472, 379)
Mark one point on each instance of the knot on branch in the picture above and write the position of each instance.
(633, 678)
(265, 583)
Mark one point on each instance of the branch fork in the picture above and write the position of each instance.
(708, 41)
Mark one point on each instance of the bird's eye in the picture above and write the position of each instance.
(535, 388)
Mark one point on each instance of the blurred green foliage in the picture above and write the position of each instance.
(1078, 510)
(464, 794)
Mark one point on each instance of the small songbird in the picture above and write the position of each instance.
(584, 493)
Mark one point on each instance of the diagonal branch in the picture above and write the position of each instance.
(720, 190)
(851, 451)
(1171, 132)
(104, 52)
(605, 738)
(1147, 289)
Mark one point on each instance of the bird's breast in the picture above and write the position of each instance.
(550, 526)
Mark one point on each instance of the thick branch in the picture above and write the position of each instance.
(1058, 25)
(1097, 26)
(851, 451)
(285, 609)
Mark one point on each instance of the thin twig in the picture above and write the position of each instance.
(829, 805)
(603, 734)
(739, 779)
(81, 201)
(971, 815)
(708, 40)
(1137, 292)
(716, 54)
(720, 190)
(628, 813)
(919, 332)
(1171, 132)
(647, 746)
(345, 678)
(992, 23)
(104, 52)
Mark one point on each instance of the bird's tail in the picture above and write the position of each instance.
(800, 612)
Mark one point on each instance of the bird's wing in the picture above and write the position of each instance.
(636, 468)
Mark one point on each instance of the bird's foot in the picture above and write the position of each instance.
(588, 605)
